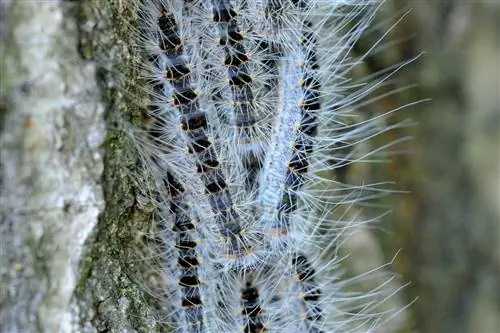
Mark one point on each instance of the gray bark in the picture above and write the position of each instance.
(64, 253)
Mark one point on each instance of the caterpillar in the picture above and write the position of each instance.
(249, 117)
(250, 102)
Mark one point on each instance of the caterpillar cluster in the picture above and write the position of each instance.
(250, 104)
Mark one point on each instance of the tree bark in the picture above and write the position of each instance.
(65, 253)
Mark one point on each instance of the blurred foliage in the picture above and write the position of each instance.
(447, 226)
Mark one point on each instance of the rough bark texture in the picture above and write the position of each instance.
(65, 254)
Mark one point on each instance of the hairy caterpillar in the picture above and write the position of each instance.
(250, 102)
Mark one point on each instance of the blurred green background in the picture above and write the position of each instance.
(448, 224)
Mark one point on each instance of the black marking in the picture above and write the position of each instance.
(250, 294)
(303, 268)
(217, 186)
(158, 88)
(207, 157)
(293, 181)
(176, 72)
(310, 56)
(167, 24)
(189, 281)
(224, 15)
(274, 10)
(314, 314)
(180, 226)
(303, 144)
(200, 145)
(311, 292)
(238, 58)
(193, 121)
(207, 166)
(251, 309)
(238, 77)
(185, 97)
(170, 41)
(234, 34)
(186, 245)
(311, 101)
(310, 82)
(188, 302)
(187, 262)
(308, 124)
(174, 187)
(308, 37)
(298, 162)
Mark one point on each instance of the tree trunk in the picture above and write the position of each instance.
(67, 223)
